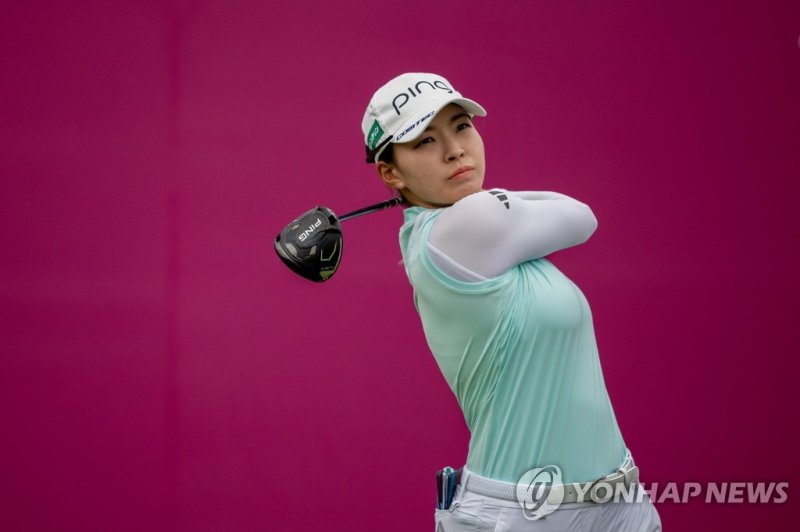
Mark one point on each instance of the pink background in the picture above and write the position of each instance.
(162, 370)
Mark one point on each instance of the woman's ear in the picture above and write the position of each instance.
(388, 174)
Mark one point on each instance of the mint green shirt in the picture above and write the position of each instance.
(519, 353)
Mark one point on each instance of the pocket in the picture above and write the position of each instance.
(440, 517)
(459, 519)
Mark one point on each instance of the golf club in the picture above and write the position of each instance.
(311, 245)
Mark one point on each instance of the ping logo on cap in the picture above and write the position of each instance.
(375, 134)
(437, 84)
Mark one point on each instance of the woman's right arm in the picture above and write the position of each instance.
(492, 231)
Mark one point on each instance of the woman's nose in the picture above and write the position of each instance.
(454, 151)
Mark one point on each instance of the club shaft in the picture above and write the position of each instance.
(372, 208)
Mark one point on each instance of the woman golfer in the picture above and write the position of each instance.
(511, 334)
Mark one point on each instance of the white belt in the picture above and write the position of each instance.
(627, 473)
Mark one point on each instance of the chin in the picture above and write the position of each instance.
(472, 188)
(465, 193)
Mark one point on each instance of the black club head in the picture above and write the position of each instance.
(311, 245)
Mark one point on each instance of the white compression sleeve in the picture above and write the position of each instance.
(487, 233)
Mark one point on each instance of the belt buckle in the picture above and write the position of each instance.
(628, 478)
(631, 476)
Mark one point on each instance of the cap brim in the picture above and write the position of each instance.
(422, 119)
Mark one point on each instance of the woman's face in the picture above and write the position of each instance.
(441, 166)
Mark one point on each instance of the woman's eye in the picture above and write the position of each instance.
(463, 125)
(426, 140)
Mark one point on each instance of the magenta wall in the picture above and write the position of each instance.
(161, 369)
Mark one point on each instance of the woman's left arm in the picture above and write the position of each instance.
(492, 231)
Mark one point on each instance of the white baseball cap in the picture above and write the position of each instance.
(401, 110)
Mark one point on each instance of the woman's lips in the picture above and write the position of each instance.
(461, 172)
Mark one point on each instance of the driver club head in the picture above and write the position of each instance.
(311, 245)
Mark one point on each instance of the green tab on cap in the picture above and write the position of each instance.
(375, 134)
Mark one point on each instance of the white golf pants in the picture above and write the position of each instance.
(471, 512)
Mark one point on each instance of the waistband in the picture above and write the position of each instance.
(627, 473)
